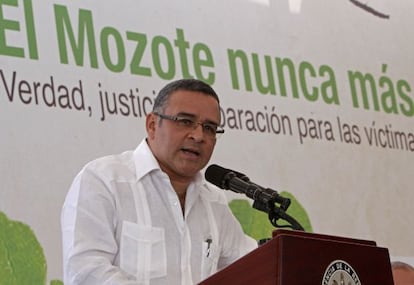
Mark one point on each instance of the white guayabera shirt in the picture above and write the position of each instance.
(122, 223)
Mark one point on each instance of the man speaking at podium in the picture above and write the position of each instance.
(148, 216)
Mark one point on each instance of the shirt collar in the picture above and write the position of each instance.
(145, 162)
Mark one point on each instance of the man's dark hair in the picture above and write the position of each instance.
(182, 84)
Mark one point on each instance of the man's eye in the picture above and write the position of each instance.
(185, 122)
(210, 128)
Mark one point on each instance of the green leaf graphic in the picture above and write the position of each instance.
(22, 261)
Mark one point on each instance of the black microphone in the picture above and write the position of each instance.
(238, 182)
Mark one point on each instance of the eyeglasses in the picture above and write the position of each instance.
(187, 123)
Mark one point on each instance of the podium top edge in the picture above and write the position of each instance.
(283, 232)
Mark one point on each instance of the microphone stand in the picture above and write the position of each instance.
(275, 213)
(264, 199)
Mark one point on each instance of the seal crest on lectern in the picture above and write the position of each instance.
(340, 272)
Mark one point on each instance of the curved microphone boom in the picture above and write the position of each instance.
(264, 198)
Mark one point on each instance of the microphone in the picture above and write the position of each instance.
(238, 182)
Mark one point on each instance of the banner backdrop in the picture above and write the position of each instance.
(317, 100)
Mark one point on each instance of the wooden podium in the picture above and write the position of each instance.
(298, 258)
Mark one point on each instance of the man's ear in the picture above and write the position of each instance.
(151, 124)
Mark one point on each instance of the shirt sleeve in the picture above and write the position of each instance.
(88, 234)
(235, 243)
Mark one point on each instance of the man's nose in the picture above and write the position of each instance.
(197, 132)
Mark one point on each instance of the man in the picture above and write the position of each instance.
(148, 216)
(402, 273)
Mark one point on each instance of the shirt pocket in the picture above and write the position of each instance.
(209, 259)
(142, 251)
